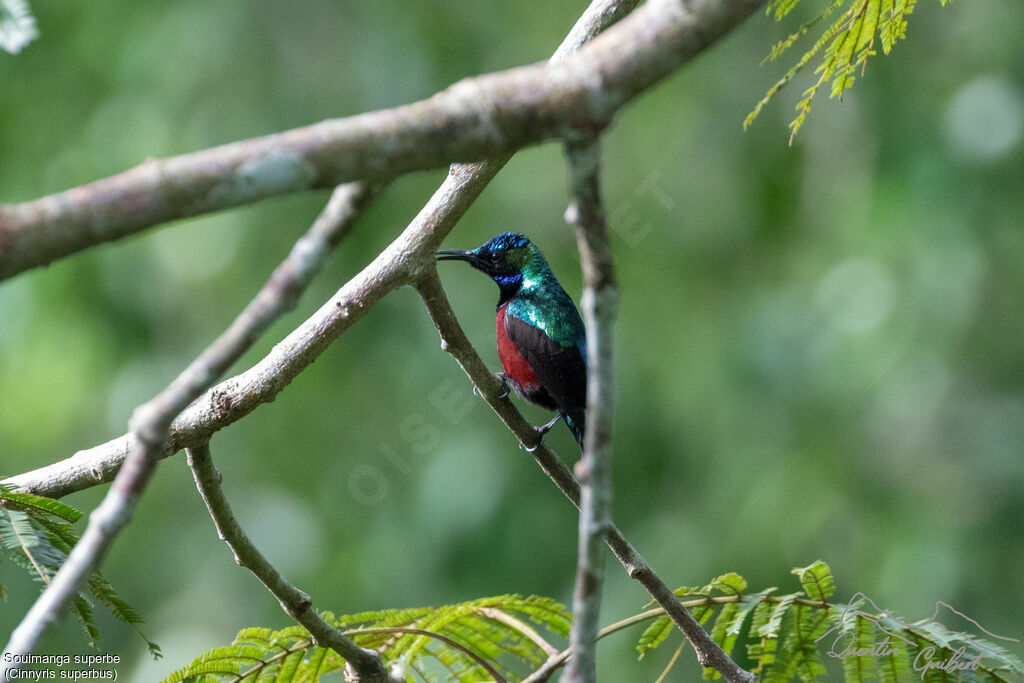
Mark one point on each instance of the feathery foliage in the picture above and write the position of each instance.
(488, 639)
(844, 46)
(36, 535)
(787, 637)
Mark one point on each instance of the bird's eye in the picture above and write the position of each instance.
(494, 256)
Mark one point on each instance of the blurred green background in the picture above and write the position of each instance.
(820, 346)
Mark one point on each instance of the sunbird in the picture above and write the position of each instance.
(542, 343)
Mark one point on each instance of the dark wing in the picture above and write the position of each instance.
(561, 370)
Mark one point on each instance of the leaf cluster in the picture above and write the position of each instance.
(788, 635)
(842, 48)
(36, 535)
(482, 640)
(786, 638)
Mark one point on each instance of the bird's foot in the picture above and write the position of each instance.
(545, 428)
(503, 378)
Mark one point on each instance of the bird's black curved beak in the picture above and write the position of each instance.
(456, 255)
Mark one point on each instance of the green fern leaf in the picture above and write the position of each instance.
(761, 650)
(22, 501)
(773, 624)
(858, 639)
(719, 633)
(500, 635)
(654, 635)
(780, 8)
(82, 610)
(845, 46)
(780, 47)
(894, 664)
(121, 610)
(799, 649)
(289, 666)
(28, 546)
(36, 533)
(320, 661)
(830, 33)
(547, 612)
(766, 624)
(288, 654)
(817, 580)
(730, 584)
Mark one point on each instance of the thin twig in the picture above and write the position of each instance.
(366, 663)
(521, 626)
(599, 300)
(478, 118)
(671, 662)
(151, 421)
(455, 342)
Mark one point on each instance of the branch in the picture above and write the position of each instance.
(235, 398)
(478, 118)
(600, 296)
(367, 664)
(455, 342)
(151, 421)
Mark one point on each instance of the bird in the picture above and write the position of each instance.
(542, 343)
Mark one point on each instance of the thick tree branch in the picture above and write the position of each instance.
(600, 296)
(236, 397)
(366, 665)
(478, 118)
(455, 342)
(151, 421)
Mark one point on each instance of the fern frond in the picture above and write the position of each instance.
(36, 534)
(780, 8)
(471, 643)
(729, 584)
(817, 580)
(654, 635)
(547, 612)
(720, 634)
(765, 625)
(858, 666)
(845, 46)
(830, 34)
(462, 639)
(82, 610)
(22, 501)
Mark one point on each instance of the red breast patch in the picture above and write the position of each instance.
(515, 366)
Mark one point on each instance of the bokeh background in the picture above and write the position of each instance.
(820, 345)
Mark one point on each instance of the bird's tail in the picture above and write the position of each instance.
(576, 423)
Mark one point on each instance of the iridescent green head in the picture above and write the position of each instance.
(507, 259)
